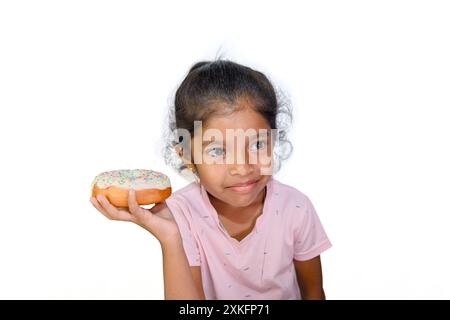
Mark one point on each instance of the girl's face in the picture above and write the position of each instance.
(232, 171)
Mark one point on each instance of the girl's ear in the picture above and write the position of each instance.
(179, 150)
(188, 164)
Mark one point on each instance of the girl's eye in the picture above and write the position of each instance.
(258, 146)
(216, 152)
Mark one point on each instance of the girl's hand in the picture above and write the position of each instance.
(158, 220)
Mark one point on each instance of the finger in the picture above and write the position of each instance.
(133, 206)
(132, 203)
(99, 207)
(158, 207)
(111, 210)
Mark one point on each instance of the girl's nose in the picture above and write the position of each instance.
(241, 169)
(240, 163)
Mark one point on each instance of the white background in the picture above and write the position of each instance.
(85, 87)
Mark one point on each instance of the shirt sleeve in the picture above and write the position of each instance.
(180, 212)
(310, 239)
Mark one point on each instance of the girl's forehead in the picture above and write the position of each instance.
(242, 119)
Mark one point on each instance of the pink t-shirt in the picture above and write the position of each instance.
(260, 266)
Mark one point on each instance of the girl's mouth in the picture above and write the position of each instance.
(244, 187)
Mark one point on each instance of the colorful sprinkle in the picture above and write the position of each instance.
(137, 179)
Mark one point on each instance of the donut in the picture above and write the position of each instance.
(151, 186)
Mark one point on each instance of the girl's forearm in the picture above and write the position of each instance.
(313, 294)
(178, 281)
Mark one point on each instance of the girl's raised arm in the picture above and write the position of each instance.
(180, 280)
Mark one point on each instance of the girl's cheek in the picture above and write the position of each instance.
(211, 169)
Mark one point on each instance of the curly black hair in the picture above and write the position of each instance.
(226, 81)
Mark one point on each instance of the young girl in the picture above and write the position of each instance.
(235, 233)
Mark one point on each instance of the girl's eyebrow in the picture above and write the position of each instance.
(212, 142)
(267, 133)
(259, 135)
(253, 136)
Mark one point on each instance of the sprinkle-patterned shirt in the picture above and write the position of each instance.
(260, 266)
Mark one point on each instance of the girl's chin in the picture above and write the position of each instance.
(241, 199)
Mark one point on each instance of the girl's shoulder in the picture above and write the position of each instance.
(190, 192)
(188, 200)
(185, 203)
(296, 207)
(288, 194)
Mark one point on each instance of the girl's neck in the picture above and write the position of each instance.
(239, 214)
